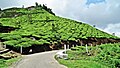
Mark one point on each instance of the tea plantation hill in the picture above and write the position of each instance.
(37, 28)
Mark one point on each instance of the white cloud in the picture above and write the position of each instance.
(113, 28)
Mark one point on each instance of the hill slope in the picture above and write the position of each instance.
(38, 25)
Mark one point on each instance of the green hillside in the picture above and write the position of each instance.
(38, 25)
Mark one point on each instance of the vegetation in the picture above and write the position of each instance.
(102, 56)
(6, 63)
(37, 25)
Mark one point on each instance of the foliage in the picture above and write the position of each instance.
(102, 56)
(6, 63)
(48, 9)
(36, 4)
(37, 26)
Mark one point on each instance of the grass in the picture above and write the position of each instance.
(81, 64)
(7, 63)
(103, 56)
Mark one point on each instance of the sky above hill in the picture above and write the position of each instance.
(102, 13)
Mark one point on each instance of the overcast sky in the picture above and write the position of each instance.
(105, 14)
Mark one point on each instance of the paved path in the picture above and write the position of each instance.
(40, 60)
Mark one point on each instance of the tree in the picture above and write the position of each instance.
(40, 5)
(0, 12)
(45, 7)
(36, 4)
(113, 34)
(94, 25)
(0, 9)
(22, 6)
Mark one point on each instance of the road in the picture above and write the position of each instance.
(40, 60)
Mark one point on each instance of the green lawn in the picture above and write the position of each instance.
(6, 63)
(103, 56)
(81, 64)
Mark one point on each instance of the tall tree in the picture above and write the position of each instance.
(22, 6)
(94, 25)
(44, 7)
(36, 4)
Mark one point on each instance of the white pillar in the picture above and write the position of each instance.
(65, 48)
(68, 46)
(86, 48)
(21, 49)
